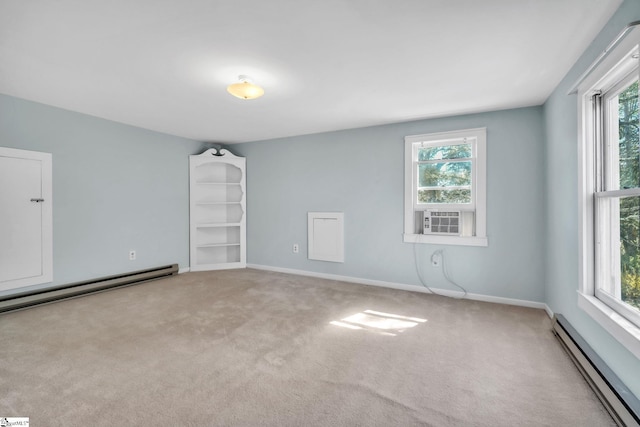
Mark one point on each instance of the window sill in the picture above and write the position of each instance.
(446, 240)
(620, 328)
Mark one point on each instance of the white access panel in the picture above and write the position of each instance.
(26, 250)
(326, 236)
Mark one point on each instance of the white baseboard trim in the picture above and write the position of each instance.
(404, 287)
(549, 311)
(182, 270)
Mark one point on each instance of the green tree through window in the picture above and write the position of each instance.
(444, 174)
(629, 155)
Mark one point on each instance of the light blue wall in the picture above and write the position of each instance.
(361, 172)
(115, 188)
(560, 114)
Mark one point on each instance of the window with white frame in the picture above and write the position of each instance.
(609, 149)
(445, 188)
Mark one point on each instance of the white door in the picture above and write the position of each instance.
(25, 218)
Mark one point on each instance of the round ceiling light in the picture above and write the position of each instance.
(245, 89)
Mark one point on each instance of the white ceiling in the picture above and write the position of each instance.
(325, 65)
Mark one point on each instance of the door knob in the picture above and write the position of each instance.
(37, 200)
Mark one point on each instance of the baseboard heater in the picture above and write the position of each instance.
(623, 406)
(43, 296)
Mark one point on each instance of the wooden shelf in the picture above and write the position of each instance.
(218, 224)
(216, 203)
(218, 245)
(218, 183)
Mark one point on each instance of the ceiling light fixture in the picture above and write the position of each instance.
(245, 89)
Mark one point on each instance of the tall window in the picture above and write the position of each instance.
(617, 198)
(445, 187)
(610, 193)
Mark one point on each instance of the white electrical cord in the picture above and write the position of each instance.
(444, 273)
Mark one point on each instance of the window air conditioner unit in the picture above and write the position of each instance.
(448, 223)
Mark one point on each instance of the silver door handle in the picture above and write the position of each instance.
(37, 200)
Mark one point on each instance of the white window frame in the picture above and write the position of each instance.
(602, 78)
(479, 188)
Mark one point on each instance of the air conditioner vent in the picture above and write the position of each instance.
(442, 222)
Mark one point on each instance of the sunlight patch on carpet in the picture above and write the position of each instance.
(377, 321)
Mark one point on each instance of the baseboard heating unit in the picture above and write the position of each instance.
(31, 298)
(623, 406)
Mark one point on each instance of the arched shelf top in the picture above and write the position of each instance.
(219, 152)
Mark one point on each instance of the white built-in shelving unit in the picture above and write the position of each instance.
(217, 182)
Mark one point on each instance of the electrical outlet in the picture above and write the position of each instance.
(436, 258)
(296, 248)
(132, 255)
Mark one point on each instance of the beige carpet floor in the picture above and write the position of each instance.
(254, 348)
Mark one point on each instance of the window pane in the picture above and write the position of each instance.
(444, 174)
(459, 195)
(445, 152)
(630, 251)
(629, 154)
(618, 256)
